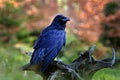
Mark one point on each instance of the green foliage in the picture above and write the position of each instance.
(11, 60)
(110, 35)
(107, 74)
(109, 40)
(27, 36)
(106, 27)
(11, 16)
(9, 22)
(110, 8)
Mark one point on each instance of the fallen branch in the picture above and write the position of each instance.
(82, 68)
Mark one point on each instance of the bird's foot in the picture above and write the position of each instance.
(29, 53)
(58, 61)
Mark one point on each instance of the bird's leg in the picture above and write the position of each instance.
(58, 60)
(29, 53)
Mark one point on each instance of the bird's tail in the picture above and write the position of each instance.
(29, 67)
(37, 56)
(48, 59)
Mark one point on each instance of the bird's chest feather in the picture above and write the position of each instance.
(57, 34)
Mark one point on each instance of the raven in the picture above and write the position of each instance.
(50, 42)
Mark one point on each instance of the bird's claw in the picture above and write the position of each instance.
(29, 53)
(59, 61)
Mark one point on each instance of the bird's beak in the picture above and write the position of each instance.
(66, 19)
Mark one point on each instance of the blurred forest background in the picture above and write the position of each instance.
(92, 22)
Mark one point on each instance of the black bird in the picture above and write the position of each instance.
(50, 42)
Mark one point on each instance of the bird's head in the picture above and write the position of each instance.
(60, 20)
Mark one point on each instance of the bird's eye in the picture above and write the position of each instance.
(63, 18)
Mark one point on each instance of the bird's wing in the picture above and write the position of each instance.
(50, 57)
(49, 39)
(47, 43)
